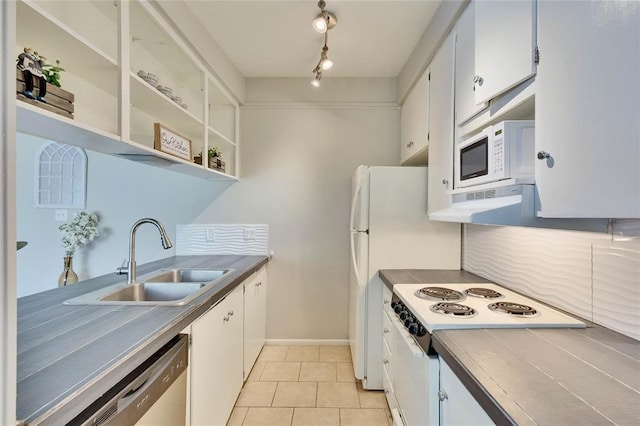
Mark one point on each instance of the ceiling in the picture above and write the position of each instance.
(265, 38)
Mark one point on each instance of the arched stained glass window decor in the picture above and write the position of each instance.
(61, 176)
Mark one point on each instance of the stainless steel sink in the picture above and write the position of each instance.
(187, 275)
(166, 287)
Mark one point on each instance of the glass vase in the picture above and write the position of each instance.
(68, 276)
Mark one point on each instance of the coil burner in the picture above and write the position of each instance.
(439, 293)
(485, 293)
(515, 309)
(453, 309)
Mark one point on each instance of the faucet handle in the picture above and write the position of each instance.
(122, 270)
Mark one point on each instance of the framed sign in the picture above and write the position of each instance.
(168, 141)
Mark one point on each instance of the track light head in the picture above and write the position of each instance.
(325, 20)
(325, 62)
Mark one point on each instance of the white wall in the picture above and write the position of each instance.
(592, 275)
(120, 192)
(297, 162)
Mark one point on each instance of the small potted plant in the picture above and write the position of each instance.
(214, 158)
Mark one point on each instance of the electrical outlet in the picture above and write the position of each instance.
(249, 234)
(210, 237)
(61, 215)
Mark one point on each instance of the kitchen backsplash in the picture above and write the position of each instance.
(591, 275)
(213, 239)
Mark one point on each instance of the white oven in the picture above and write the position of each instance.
(414, 373)
(420, 309)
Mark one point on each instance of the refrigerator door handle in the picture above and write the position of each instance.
(354, 234)
(354, 201)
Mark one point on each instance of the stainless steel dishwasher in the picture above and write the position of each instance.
(153, 394)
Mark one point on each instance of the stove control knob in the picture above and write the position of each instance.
(403, 315)
(414, 328)
(408, 321)
(398, 308)
(421, 331)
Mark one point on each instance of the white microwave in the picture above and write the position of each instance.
(499, 152)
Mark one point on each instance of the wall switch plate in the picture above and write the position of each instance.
(249, 234)
(61, 215)
(210, 236)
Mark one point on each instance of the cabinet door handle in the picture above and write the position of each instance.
(385, 301)
(258, 284)
(385, 331)
(477, 80)
(386, 361)
(543, 154)
(445, 181)
(226, 318)
(442, 395)
(410, 144)
(230, 313)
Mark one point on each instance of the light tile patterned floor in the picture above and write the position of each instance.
(307, 386)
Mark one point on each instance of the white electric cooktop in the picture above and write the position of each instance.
(474, 311)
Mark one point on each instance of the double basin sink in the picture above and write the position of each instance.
(166, 287)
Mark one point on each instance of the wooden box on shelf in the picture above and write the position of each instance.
(58, 100)
(216, 163)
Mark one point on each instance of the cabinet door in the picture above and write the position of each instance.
(587, 110)
(414, 122)
(457, 405)
(255, 318)
(216, 361)
(465, 105)
(441, 127)
(504, 46)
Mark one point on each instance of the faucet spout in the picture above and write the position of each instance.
(131, 265)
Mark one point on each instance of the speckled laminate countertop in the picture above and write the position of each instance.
(68, 356)
(539, 376)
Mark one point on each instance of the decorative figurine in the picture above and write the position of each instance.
(31, 66)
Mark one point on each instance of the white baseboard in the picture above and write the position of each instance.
(307, 342)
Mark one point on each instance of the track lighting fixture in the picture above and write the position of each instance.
(322, 24)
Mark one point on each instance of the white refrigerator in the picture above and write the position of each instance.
(390, 229)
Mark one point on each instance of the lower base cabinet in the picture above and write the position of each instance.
(457, 406)
(255, 317)
(225, 343)
(216, 361)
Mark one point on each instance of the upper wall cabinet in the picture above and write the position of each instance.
(441, 127)
(465, 101)
(587, 109)
(505, 42)
(414, 124)
(127, 69)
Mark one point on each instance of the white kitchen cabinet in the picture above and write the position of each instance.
(255, 317)
(465, 101)
(457, 406)
(505, 42)
(441, 127)
(414, 124)
(587, 110)
(216, 361)
(102, 45)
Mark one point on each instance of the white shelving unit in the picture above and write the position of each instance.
(102, 46)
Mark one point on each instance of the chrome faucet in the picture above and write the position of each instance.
(130, 270)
